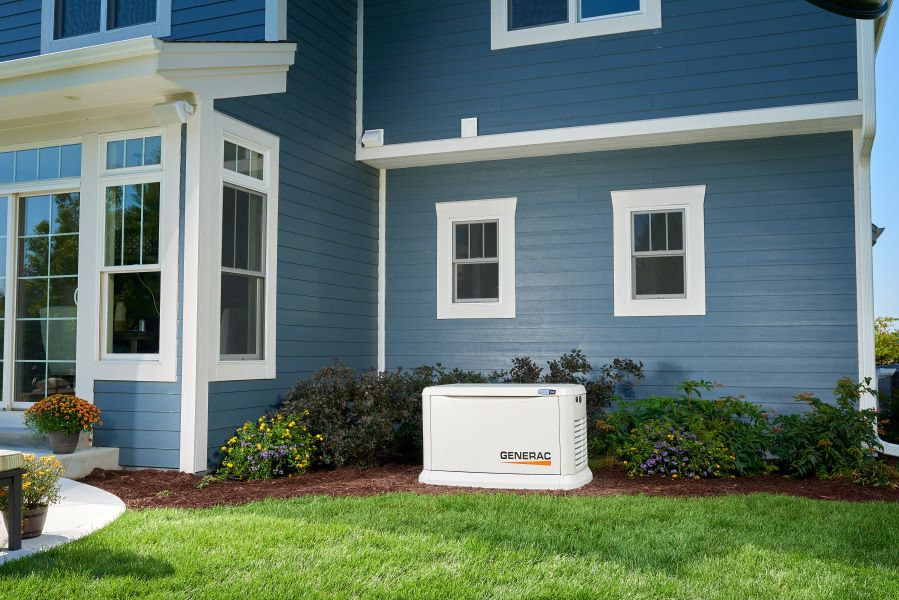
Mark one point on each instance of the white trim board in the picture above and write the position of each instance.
(714, 127)
(275, 20)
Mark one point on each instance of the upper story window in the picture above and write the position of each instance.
(476, 259)
(526, 22)
(659, 250)
(68, 24)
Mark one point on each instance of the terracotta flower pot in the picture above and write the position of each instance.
(62, 442)
(32, 521)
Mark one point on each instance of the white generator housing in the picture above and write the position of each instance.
(514, 436)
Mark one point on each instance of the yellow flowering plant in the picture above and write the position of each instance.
(274, 446)
(40, 483)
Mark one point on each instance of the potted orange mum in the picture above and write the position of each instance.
(62, 417)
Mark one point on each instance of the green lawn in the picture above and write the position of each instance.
(481, 545)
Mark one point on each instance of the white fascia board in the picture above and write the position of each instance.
(143, 71)
(747, 124)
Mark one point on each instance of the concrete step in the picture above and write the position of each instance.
(81, 462)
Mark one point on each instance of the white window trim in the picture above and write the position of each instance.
(691, 200)
(649, 17)
(276, 20)
(96, 364)
(160, 28)
(269, 146)
(449, 213)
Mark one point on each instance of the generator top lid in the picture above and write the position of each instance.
(518, 390)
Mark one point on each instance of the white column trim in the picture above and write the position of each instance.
(275, 20)
(382, 270)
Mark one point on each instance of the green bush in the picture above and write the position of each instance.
(886, 341)
(573, 367)
(742, 426)
(828, 440)
(271, 447)
(660, 448)
(367, 418)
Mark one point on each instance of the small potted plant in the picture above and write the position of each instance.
(62, 417)
(40, 489)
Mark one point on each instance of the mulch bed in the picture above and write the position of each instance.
(153, 488)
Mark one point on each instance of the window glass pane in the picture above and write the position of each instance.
(641, 232)
(152, 150)
(229, 199)
(115, 154)
(602, 8)
(476, 240)
(657, 232)
(124, 13)
(132, 224)
(462, 240)
(70, 160)
(133, 319)
(34, 214)
(255, 229)
(658, 275)
(675, 231)
(230, 157)
(65, 213)
(48, 163)
(62, 292)
(26, 165)
(76, 17)
(490, 233)
(134, 152)
(241, 315)
(241, 232)
(243, 160)
(532, 13)
(7, 162)
(64, 254)
(477, 281)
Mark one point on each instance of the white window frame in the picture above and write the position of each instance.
(159, 28)
(690, 200)
(133, 367)
(501, 210)
(648, 17)
(232, 130)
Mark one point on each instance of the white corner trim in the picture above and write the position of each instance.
(268, 145)
(714, 127)
(382, 270)
(648, 17)
(692, 200)
(275, 20)
(360, 73)
(160, 28)
(501, 209)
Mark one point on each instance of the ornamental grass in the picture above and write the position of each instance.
(62, 412)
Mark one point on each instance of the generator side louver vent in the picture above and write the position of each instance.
(580, 443)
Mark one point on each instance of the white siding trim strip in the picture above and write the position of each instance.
(715, 127)
(382, 270)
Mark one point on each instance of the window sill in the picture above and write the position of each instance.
(156, 29)
(241, 370)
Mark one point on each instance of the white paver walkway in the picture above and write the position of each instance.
(82, 510)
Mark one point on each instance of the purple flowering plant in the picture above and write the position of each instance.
(275, 446)
(660, 448)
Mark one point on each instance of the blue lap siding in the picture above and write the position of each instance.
(428, 64)
(780, 266)
(328, 222)
(20, 28)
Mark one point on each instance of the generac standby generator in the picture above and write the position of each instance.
(506, 436)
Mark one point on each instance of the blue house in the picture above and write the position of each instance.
(201, 202)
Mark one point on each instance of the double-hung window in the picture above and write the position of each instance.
(525, 22)
(476, 259)
(247, 162)
(74, 23)
(659, 251)
(131, 271)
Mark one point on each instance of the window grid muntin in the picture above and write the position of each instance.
(574, 16)
(635, 254)
(475, 261)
